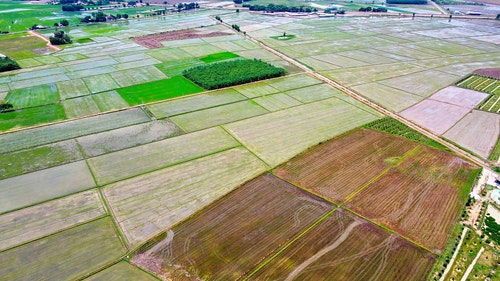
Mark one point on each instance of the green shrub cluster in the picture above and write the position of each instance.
(230, 73)
(492, 229)
(394, 127)
(59, 38)
(7, 64)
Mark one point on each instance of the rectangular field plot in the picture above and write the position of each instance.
(72, 88)
(118, 139)
(458, 96)
(140, 159)
(276, 102)
(31, 116)
(159, 90)
(67, 255)
(44, 185)
(38, 158)
(278, 136)
(79, 107)
(266, 209)
(420, 198)
(195, 102)
(146, 205)
(434, 80)
(344, 247)
(292, 82)
(121, 271)
(314, 93)
(100, 83)
(71, 129)
(33, 96)
(108, 101)
(477, 123)
(31, 223)
(353, 161)
(393, 99)
(257, 89)
(135, 76)
(215, 116)
(435, 115)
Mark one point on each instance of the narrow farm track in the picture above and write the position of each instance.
(36, 34)
(365, 101)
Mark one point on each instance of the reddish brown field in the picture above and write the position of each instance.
(153, 41)
(338, 168)
(229, 238)
(421, 198)
(345, 247)
(490, 72)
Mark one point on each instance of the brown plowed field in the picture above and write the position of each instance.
(230, 237)
(338, 168)
(421, 198)
(490, 72)
(344, 247)
(153, 41)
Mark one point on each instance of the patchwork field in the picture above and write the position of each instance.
(141, 159)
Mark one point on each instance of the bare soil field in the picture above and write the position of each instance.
(228, 238)
(435, 115)
(420, 198)
(339, 248)
(338, 168)
(153, 41)
(490, 72)
(459, 96)
(478, 123)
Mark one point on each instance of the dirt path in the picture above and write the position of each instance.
(443, 11)
(34, 33)
(450, 264)
(471, 266)
(365, 101)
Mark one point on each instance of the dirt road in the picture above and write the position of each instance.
(34, 33)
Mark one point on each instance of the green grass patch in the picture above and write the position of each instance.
(495, 153)
(218, 57)
(31, 116)
(230, 73)
(394, 127)
(84, 40)
(21, 47)
(158, 90)
(33, 96)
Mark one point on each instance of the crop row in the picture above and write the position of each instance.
(394, 127)
(481, 83)
(491, 104)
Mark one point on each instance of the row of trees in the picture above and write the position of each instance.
(72, 8)
(7, 64)
(101, 17)
(187, 6)
(376, 10)
(271, 8)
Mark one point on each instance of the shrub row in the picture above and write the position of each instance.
(230, 73)
(7, 64)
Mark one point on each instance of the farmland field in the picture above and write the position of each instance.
(34, 96)
(334, 249)
(31, 116)
(265, 209)
(122, 271)
(364, 152)
(146, 205)
(408, 197)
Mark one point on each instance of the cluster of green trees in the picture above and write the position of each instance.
(271, 8)
(101, 17)
(6, 107)
(187, 6)
(492, 229)
(7, 64)
(376, 10)
(236, 27)
(59, 38)
(230, 73)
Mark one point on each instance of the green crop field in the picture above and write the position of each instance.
(218, 57)
(21, 47)
(31, 116)
(33, 96)
(158, 90)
